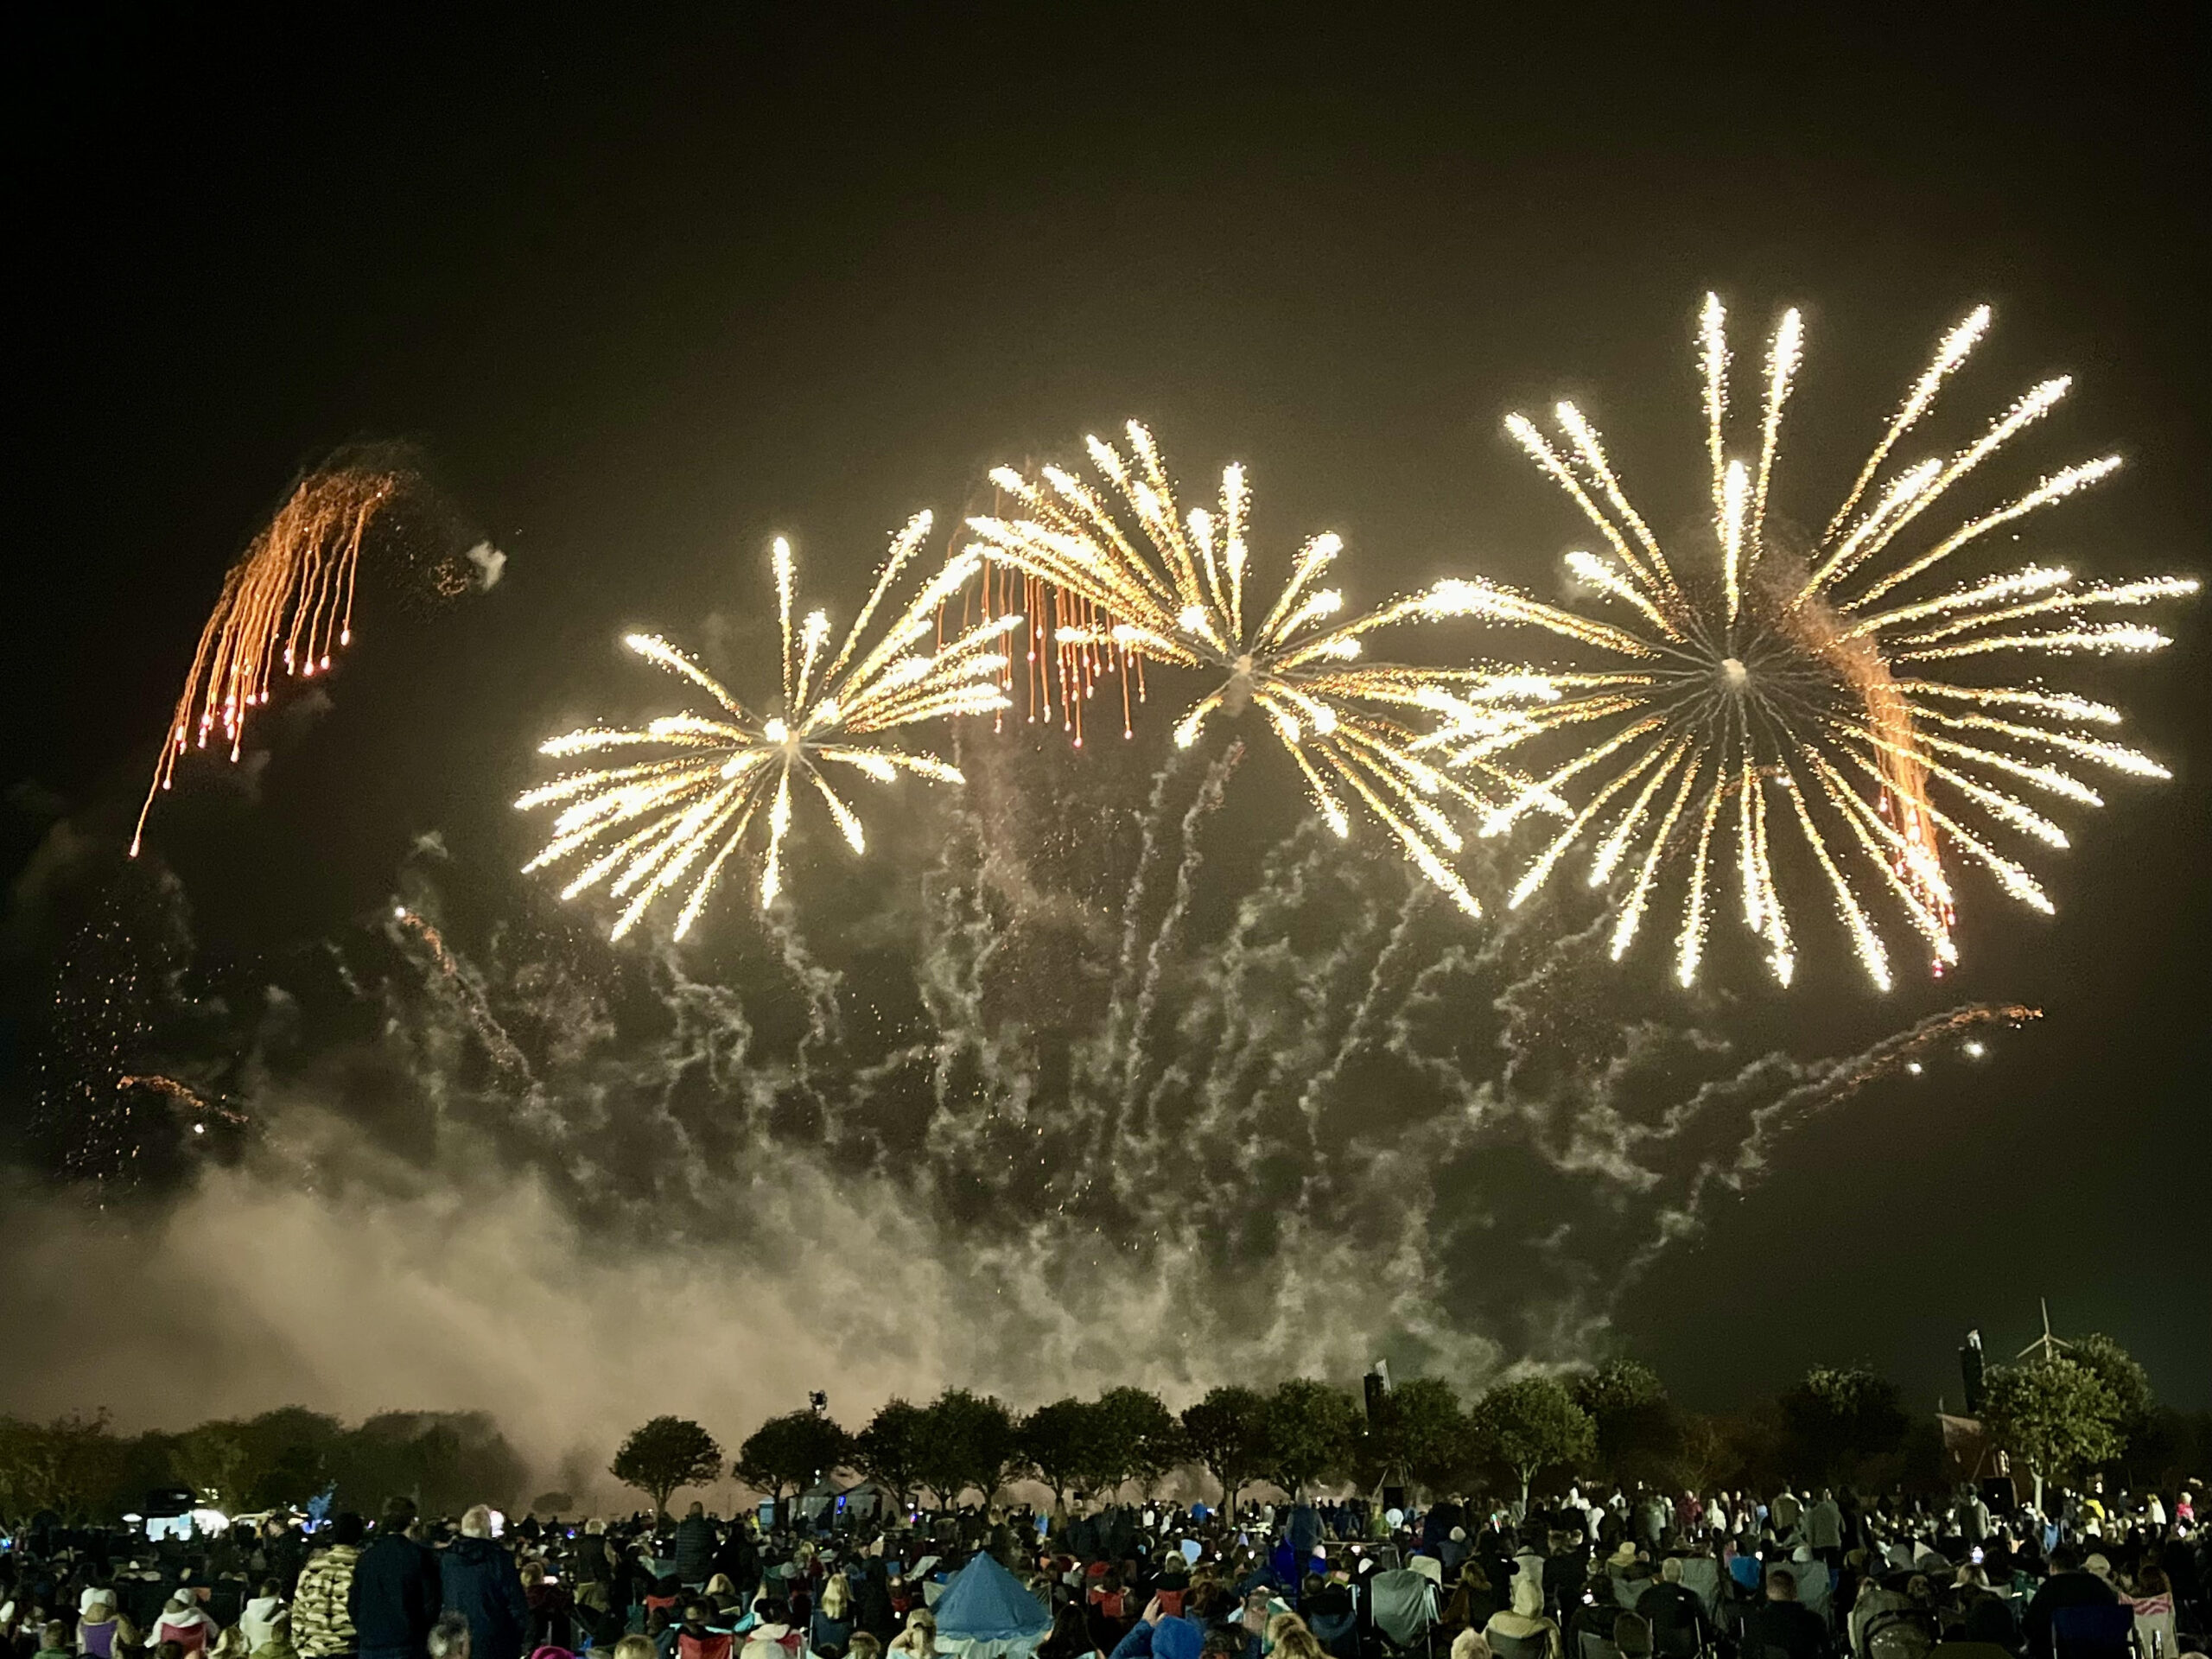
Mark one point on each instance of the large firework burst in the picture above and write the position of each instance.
(1770, 683)
(1173, 588)
(653, 822)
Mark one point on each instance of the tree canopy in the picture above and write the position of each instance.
(1311, 1432)
(1227, 1433)
(2057, 1415)
(1837, 1420)
(1531, 1424)
(791, 1453)
(664, 1454)
(965, 1440)
(1419, 1428)
(889, 1450)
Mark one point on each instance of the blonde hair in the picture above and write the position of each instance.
(834, 1596)
(1288, 1634)
(1470, 1644)
(635, 1647)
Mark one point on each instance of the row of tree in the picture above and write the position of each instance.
(79, 1467)
(2057, 1417)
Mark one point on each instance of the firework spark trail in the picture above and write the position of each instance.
(1747, 671)
(1171, 587)
(1149, 850)
(182, 1095)
(652, 823)
(287, 602)
(1821, 1085)
(466, 991)
(1358, 1030)
(1203, 806)
(989, 1213)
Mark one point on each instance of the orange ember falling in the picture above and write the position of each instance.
(1904, 799)
(1058, 675)
(289, 599)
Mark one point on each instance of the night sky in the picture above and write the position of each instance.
(644, 299)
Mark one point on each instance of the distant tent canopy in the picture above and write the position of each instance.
(984, 1613)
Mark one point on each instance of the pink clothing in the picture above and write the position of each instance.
(189, 1630)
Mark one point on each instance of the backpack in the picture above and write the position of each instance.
(1907, 1634)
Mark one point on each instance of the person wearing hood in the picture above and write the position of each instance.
(397, 1590)
(182, 1623)
(773, 1636)
(322, 1618)
(261, 1614)
(1523, 1631)
(482, 1584)
(1814, 1582)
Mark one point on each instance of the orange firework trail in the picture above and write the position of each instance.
(287, 602)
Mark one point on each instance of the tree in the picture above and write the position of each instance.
(1836, 1419)
(212, 1459)
(1060, 1442)
(1704, 1455)
(966, 1440)
(2130, 1383)
(791, 1451)
(1532, 1424)
(1419, 1428)
(1227, 1432)
(445, 1461)
(664, 1454)
(1312, 1431)
(1143, 1440)
(70, 1465)
(2056, 1415)
(889, 1450)
(1639, 1431)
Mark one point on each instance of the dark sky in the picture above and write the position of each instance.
(649, 292)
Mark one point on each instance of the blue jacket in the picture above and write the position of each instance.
(482, 1585)
(1172, 1638)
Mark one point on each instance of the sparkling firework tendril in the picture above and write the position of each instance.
(1173, 588)
(1759, 683)
(651, 823)
(287, 602)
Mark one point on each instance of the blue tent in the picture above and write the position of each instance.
(984, 1612)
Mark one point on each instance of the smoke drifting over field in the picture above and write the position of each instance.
(1035, 1100)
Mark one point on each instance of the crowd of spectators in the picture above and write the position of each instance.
(1818, 1574)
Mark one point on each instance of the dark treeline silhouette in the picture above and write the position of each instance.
(2062, 1418)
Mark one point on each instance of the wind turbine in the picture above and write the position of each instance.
(2045, 1347)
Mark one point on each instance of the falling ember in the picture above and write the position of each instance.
(680, 817)
(1139, 577)
(287, 603)
(1751, 684)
